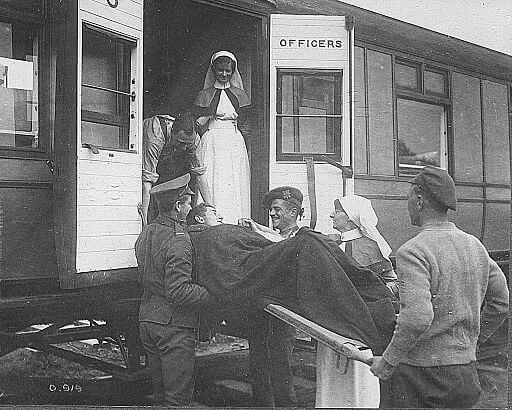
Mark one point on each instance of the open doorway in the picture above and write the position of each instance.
(179, 39)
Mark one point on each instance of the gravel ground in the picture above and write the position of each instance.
(23, 364)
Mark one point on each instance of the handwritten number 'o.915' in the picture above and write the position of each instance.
(65, 387)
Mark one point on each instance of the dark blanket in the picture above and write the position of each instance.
(308, 274)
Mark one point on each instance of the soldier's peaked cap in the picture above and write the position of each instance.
(286, 193)
(173, 188)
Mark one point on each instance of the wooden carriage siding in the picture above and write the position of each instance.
(67, 213)
(51, 202)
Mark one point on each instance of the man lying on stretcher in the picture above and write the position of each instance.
(307, 274)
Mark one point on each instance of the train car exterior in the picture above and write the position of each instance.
(419, 98)
(329, 83)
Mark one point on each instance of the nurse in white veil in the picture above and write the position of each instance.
(222, 107)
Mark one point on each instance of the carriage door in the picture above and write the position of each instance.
(108, 145)
(310, 108)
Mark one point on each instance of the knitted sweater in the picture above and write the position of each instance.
(445, 275)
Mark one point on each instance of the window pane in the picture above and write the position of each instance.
(18, 86)
(307, 130)
(434, 82)
(315, 91)
(496, 133)
(101, 135)
(310, 99)
(497, 231)
(360, 148)
(380, 107)
(467, 128)
(406, 76)
(105, 77)
(421, 135)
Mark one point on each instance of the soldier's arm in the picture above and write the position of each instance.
(495, 307)
(197, 167)
(179, 288)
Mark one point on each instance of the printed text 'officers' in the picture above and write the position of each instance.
(310, 43)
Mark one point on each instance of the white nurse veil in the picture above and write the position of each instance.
(236, 79)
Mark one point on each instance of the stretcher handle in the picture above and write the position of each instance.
(350, 348)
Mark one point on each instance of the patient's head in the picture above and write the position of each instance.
(204, 214)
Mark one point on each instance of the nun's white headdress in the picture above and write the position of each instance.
(236, 79)
(360, 211)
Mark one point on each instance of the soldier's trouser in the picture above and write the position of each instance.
(270, 352)
(453, 386)
(271, 345)
(171, 360)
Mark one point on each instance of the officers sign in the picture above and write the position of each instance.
(321, 40)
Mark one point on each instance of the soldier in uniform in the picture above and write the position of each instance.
(270, 339)
(171, 302)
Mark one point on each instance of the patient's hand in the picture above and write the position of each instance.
(247, 223)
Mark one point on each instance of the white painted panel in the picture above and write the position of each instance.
(103, 228)
(109, 168)
(105, 243)
(126, 14)
(308, 38)
(109, 197)
(110, 213)
(288, 52)
(109, 182)
(106, 155)
(124, 7)
(97, 261)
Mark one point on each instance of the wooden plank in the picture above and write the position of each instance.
(108, 197)
(109, 156)
(14, 169)
(105, 243)
(105, 260)
(109, 182)
(105, 228)
(125, 6)
(109, 168)
(113, 16)
(350, 348)
(107, 213)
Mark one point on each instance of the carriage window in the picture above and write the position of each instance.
(19, 119)
(309, 116)
(435, 82)
(421, 135)
(106, 68)
(407, 76)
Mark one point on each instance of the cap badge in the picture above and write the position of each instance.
(286, 194)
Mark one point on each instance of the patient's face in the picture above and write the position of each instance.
(212, 217)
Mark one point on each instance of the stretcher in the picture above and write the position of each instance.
(343, 377)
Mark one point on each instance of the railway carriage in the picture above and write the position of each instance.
(343, 101)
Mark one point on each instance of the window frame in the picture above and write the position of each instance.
(419, 75)
(127, 134)
(444, 140)
(338, 96)
(45, 88)
(420, 95)
(446, 82)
